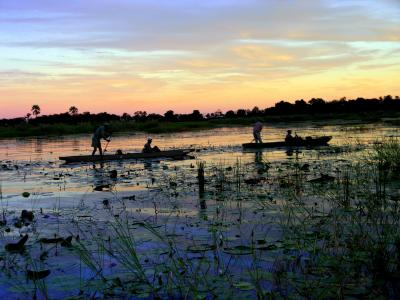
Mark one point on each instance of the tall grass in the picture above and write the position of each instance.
(387, 153)
(351, 250)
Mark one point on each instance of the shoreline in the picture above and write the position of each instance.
(155, 127)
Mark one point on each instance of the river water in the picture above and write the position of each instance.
(28, 163)
(163, 191)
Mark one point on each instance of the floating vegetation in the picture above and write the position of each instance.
(230, 225)
(17, 247)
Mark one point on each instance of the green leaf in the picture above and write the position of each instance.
(244, 286)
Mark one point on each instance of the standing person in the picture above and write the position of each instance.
(102, 132)
(258, 126)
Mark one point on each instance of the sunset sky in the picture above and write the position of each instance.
(128, 55)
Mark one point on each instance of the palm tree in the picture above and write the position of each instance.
(73, 110)
(35, 110)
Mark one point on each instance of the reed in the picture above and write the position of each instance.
(387, 153)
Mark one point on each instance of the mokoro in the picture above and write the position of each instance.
(108, 157)
(307, 142)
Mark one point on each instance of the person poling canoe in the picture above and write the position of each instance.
(148, 148)
(257, 132)
(102, 132)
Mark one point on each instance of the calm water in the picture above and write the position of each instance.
(32, 164)
(65, 201)
(49, 149)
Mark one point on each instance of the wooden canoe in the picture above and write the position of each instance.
(139, 155)
(307, 142)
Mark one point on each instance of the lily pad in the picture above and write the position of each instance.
(243, 285)
(200, 248)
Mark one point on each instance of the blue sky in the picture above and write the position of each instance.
(123, 56)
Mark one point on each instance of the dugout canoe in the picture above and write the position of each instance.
(139, 155)
(307, 142)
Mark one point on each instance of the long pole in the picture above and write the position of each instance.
(105, 148)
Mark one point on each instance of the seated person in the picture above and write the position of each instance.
(297, 138)
(147, 147)
(289, 138)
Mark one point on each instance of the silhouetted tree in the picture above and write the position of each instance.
(317, 105)
(170, 116)
(283, 107)
(230, 114)
(241, 113)
(255, 111)
(35, 110)
(153, 116)
(125, 117)
(218, 113)
(388, 98)
(316, 102)
(300, 104)
(73, 110)
(196, 115)
(140, 115)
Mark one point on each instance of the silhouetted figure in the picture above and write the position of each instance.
(147, 147)
(297, 138)
(289, 138)
(257, 131)
(102, 132)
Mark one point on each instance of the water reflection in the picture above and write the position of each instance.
(38, 146)
(76, 144)
(258, 157)
(289, 152)
(31, 164)
(216, 139)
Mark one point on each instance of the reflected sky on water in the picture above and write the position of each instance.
(32, 164)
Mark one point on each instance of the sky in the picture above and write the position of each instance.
(121, 56)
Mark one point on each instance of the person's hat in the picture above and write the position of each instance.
(289, 131)
(149, 138)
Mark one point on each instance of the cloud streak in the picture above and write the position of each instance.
(147, 53)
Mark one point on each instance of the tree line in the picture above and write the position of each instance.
(315, 106)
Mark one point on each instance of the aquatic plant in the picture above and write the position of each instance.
(200, 176)
(387, 153)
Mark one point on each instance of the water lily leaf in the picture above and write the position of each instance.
(269, 247)
(244, 286)
(200, 248)
(238, 250)
(242, 247)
